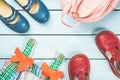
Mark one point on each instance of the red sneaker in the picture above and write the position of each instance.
(79, 68)
(109, 44)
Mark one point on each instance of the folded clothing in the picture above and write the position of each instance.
(12, 76)
(35, 70)
(29, 76)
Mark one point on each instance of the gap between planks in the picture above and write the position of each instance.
(50, 35)
(55, 58)
(61, 10)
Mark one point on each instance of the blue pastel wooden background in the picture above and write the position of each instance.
(53, 38)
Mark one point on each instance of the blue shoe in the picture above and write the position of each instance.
(42, 13)
(21, 26)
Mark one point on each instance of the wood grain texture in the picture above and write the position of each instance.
(53, 38)
(51, 46)
(54, 25)
(51, 4)
(99, 69)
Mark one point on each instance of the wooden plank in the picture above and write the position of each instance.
(118, 6)
(58, 38)
(51, 4)
(51, 46)
(99, 69)
(54, 25)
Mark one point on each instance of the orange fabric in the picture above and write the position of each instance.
(22, 59)
(51, 73)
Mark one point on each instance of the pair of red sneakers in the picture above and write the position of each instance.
(109, 44)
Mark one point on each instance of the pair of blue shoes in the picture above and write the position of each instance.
(22, 25)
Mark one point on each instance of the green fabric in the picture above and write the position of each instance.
(56, 64)
(13, 66)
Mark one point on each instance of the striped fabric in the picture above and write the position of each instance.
(14, 74)
(9, 69)
(35, 70)
(56, 64)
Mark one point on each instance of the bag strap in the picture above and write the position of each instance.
(66, 9)
(69, 25)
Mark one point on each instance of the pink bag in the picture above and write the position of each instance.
(86, 10)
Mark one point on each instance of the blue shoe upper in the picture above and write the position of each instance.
(21, 26)
(42, 14)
